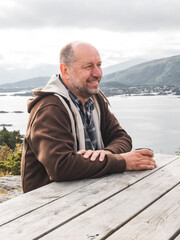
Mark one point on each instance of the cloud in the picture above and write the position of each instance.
(1, 57)
(8, 74)
(114, 15)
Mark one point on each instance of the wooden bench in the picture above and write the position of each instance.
(132, 205)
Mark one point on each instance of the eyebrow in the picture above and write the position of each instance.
(100, 62)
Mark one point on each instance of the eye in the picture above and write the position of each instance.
(88, 66)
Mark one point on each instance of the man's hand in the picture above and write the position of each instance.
(94, 154)
(139, 160)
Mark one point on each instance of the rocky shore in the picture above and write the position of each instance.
(10, 186)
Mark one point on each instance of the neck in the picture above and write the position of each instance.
(83, 100)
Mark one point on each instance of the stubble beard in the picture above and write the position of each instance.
(84, 91)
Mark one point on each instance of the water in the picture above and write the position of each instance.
(151, 121)
(10, 104)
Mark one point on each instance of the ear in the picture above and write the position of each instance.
(64, 71)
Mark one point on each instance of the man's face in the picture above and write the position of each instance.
(85, 73)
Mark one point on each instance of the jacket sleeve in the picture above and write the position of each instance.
(114, 136)
(52, 142)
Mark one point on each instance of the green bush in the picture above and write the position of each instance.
(11, 162)
(10, 139)
(5, 151)
(10, 152)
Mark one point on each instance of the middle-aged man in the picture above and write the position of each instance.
(71, 133)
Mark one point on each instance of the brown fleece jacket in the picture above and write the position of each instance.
(48, 153)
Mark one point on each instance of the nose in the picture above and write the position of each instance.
(97, 72)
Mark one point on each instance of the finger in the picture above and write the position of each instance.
(146, 167)
(150, 163)
(95, 154)
(146, 152)
(82, 151)
(101, 157)
(88, 153)
(146, 158)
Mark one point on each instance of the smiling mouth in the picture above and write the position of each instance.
(93, 83)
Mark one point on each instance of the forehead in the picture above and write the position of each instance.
(86, 54)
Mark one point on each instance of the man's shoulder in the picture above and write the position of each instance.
(102, 99)
(49, 99)
(43, 101)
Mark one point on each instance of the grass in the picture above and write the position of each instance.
(3, 174)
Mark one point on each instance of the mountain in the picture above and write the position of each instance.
(9, 75)
(165, 71)
(45, 71)
(26, 84)
(122, 66)
(159, 72)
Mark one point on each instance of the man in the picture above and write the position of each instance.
(71, 133)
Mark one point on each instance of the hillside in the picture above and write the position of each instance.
(160, 72)
(123, 65)
(32, 83)
(9, 75)
(26, 84)
(165, 71)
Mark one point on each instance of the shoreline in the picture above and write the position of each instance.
(10, 187)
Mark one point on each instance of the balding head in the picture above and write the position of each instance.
(69, 53)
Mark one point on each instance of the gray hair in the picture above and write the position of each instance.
(67, 54)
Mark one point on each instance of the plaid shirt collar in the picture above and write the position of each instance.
(86, 116)
(89, 105)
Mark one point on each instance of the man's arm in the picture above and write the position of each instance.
(135, 160)
(139, 160)
(93, 155)
(118, 141)
(52, 143)
(115, 138)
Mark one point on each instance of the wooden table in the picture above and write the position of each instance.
(132, 205)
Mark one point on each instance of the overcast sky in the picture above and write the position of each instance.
(32, 32)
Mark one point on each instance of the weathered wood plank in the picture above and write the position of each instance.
(99, 221)
(35, 199)
(160, 221)
(178, 237)
(64, 209)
